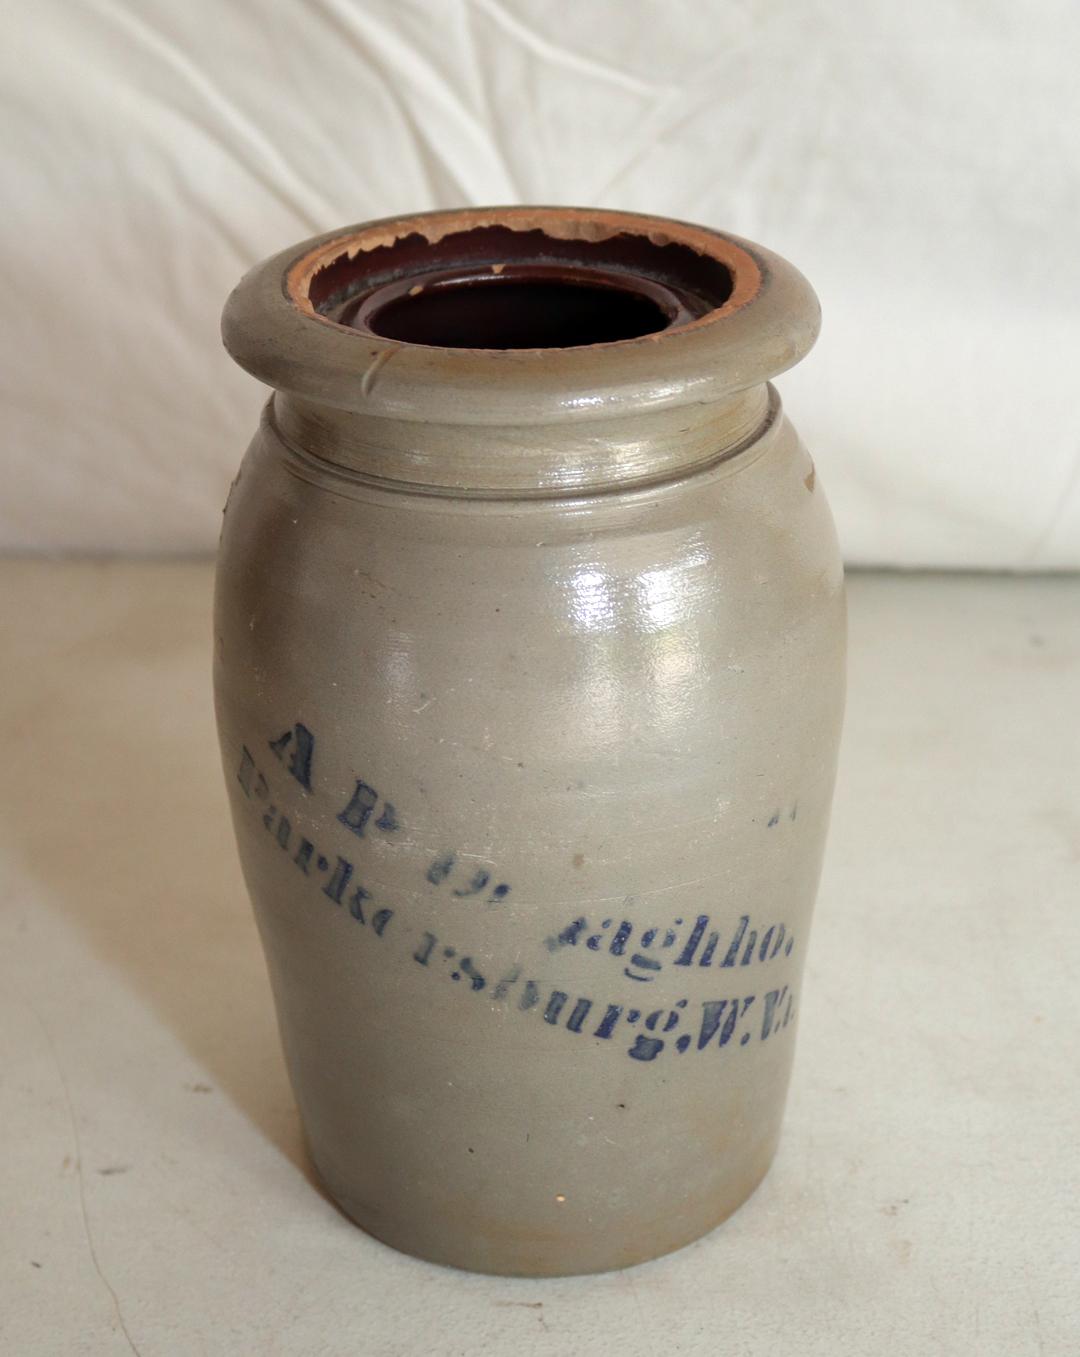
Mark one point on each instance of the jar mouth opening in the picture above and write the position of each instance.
(537, 279)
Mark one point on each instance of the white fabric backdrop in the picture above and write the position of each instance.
(919, 161)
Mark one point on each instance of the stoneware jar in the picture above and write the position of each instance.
(529, 673)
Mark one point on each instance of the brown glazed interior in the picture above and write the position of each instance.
(513, 284)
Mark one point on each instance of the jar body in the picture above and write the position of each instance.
(531, 797)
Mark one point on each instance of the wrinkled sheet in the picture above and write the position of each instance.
(919, 162)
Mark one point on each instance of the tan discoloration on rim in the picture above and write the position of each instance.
(563, 223)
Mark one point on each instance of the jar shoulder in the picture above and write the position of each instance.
(575, 629)
(755, 523)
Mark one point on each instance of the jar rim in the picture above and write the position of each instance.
(748, 315)
(710, 274)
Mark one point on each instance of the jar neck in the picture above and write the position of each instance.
(560, 459)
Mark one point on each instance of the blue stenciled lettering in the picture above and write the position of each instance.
(700, 945)
(300, 744)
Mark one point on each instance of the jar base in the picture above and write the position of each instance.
(539, 1258)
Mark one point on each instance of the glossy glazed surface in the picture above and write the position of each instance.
(531, 793)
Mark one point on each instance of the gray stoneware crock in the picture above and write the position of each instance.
(529, 675)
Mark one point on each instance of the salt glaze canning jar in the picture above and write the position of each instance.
(529, 673)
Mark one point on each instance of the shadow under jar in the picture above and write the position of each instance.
(529, 676)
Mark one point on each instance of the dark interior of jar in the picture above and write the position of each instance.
(495, 288)
(529, 309)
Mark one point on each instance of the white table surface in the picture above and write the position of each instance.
(154, 1195)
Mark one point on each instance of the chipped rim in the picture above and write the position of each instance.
(767, 322)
